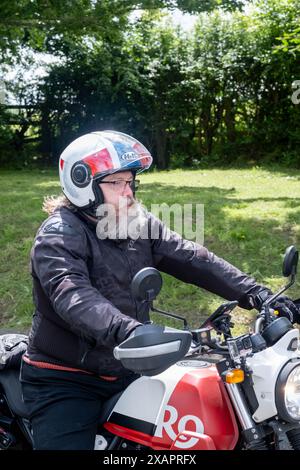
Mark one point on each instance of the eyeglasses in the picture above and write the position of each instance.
(120, 185)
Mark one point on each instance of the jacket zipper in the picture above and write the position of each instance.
(131, 277)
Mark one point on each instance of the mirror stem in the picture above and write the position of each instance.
(283, 289)
(172, 315)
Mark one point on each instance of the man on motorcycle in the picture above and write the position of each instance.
(82, 269)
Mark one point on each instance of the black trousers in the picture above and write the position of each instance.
(65, 407)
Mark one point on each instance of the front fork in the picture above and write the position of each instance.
(251, 432)
(287, 436)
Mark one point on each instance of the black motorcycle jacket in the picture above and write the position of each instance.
(81, 287)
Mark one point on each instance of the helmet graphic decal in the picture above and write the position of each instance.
(99, 162)
(129, 156)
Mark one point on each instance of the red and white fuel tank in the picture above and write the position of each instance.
(184, 408)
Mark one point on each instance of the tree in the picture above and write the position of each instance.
(224, 90)
(130, 85)
(42, 24)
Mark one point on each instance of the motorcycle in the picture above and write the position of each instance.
(197, 389)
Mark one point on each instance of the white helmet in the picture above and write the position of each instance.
(91, 157)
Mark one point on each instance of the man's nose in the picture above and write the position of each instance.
(127, 191)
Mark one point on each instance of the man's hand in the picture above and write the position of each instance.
(283, 305)
(144, 328)
(286, 308)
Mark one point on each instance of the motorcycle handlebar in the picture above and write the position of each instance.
(261, 319)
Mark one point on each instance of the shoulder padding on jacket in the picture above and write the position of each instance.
(61, 223)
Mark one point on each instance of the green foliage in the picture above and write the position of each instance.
(43, 24)
(219, 93)
(196, 6)
(6, 137)
(290, 41)
(133, 84)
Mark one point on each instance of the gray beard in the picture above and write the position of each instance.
(131, 222)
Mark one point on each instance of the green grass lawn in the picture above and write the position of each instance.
(251, 216)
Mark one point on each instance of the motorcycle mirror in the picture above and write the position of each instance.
(289, 268)
(290, 261)
(146, 284)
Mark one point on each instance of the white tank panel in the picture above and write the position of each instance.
(147, 397)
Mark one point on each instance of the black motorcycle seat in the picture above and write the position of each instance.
(9, 379)
(108, 407)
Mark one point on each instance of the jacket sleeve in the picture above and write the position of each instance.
(59, 260)
(194, 264)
